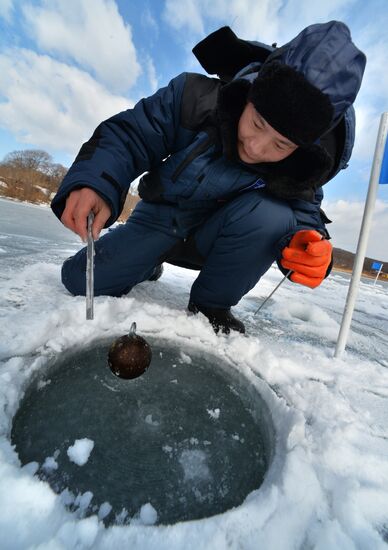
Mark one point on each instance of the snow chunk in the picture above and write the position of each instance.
(150, 421)
(148, 514)
(83, 500)
(121, 518)
(214, 413)
(50, 464)
(31, 468)
(67, 497)
(105, 510)
(43, 383)
(79, 452)
(194, 465)
(183, 358)
(76, 535)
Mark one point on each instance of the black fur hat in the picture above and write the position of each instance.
(290, 103)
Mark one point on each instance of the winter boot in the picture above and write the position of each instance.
(157, 273)
(220, 319)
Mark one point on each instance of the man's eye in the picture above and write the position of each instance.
(279, 147)
(257, 126)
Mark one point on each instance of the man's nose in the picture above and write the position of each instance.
(259, 145)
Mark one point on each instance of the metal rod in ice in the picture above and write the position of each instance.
(90, 271)
(274, 290)
(366, 225)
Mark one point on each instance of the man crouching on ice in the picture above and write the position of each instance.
(233, 171)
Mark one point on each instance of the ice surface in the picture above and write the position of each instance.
(327, 487)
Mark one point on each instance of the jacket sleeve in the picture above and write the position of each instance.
(123, 147)
(308, 215)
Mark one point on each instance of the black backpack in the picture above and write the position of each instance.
(224, 54)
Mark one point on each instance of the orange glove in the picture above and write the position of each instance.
(308, 255)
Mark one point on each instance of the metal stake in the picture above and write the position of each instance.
(367, 220)
(90, 271)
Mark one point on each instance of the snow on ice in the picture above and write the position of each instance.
(148, 514)
(49, 464)
(79, 452)
(214, 413)
(327, 485)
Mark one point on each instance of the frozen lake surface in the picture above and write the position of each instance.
(327, 484)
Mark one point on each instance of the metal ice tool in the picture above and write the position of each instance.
(90, 271)
(274, 290)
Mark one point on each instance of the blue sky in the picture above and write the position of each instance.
(65, 65)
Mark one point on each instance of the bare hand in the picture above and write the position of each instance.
(78, 206)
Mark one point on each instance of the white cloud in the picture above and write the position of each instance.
(250, 19)
(91, 33)
(50, 104)
(184, 14)
(254, 20)
(296, 15)
(264, 20)
(375, 85)
(6, 7)
(345, 229)
(151, 73)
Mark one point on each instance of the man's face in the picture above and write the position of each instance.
(258, 142)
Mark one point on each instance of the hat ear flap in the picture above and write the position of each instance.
(300, 174)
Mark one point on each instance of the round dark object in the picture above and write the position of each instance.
(130, 355)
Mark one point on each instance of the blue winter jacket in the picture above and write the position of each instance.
(182, 139)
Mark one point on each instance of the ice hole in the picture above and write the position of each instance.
(154, 442)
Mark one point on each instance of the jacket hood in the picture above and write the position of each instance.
(326, 56)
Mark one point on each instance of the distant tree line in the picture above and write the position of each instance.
(30, 175)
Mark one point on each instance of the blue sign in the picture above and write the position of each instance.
(384, 166)
(376, 266)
